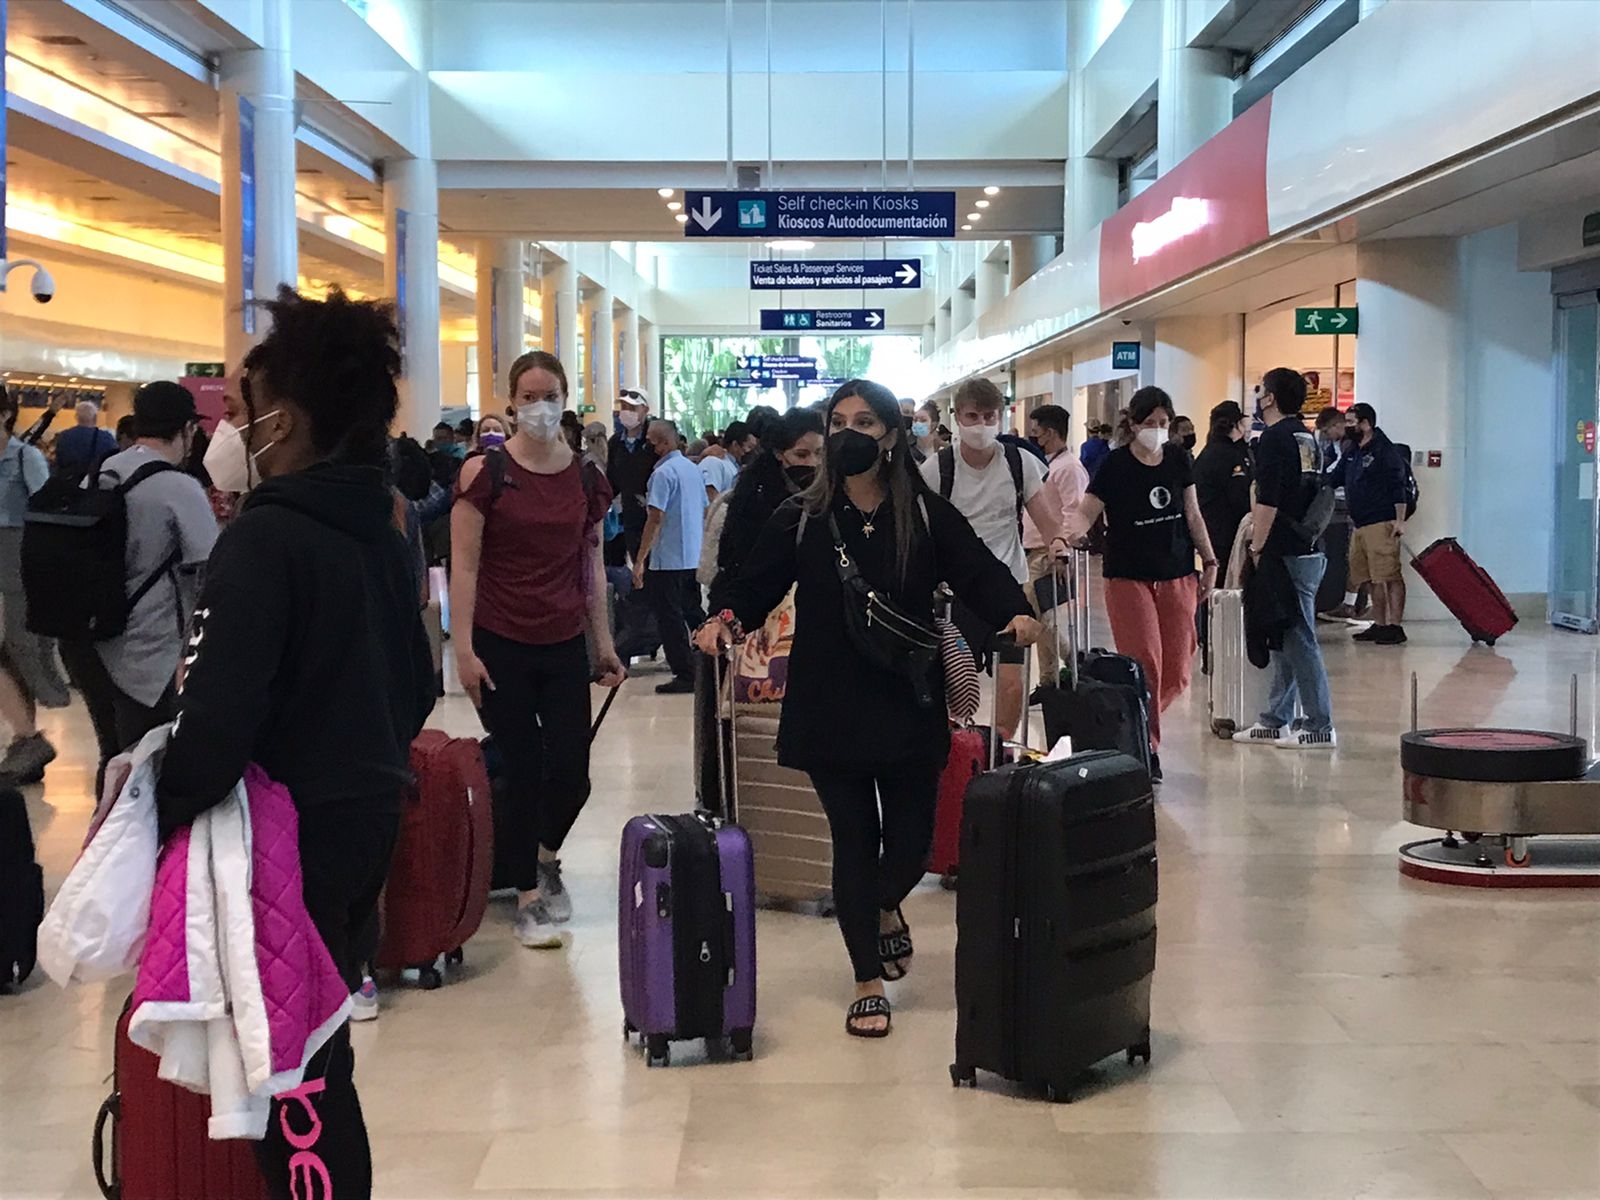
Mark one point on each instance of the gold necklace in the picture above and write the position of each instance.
(868, 518)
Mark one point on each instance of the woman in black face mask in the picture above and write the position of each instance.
(865, 720)
(791, 449)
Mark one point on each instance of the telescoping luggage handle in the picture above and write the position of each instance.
(1074, 578)
(729, 779)
(1008, 653)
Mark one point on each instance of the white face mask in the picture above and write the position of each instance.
(540, 419)
(979, 437)
(628, 419)
(1150, 439)
(229, 461)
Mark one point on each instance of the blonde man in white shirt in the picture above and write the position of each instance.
(1065, 483)
(993, 485)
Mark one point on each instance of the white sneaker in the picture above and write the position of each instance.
(1310, 739)
(364, 1001)
(553, 890)
(536, 930)
(1263, 735)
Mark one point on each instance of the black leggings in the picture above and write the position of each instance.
(538, 712)
(876, 862)
(119, 720)
(316, 1144)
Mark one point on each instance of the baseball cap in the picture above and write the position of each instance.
(161, 409)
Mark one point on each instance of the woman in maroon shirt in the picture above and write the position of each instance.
(527, 582)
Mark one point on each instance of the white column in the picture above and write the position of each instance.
(1197, 362)
(930, 339)
(1091, 183)
(990, 283)
(1146, 333)
(263, 79)
(562, 340)
(1194, 94)
(547, 308)
(411, 213)
(628, 359)
(961, 306)
(500, 321)
(941, 325)
(1413, 369)
(603, 351)
(649, 368)
(1028, 254)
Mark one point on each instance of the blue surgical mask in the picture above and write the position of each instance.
(921, 429)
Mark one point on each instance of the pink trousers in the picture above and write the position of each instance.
(1154, 623)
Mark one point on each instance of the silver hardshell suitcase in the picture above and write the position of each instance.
(1237, 691)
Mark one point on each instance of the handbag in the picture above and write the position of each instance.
(883, 633)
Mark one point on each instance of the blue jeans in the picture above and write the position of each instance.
(1297, 670)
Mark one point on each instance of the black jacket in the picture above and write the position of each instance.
(1271, 609)
(1222, 477)
(761, 488)
(1374, 481)
(308, 655)
(629, 473)
(840, 712)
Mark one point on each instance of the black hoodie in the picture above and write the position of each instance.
(308, 655)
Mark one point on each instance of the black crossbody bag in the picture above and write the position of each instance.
(880, 630)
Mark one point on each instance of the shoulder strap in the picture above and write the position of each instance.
(947, 471)
(1014, 461)
(138, 477)
(800, 528)
(494, 462)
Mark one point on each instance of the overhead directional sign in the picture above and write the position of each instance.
(1325, 320)
(736, 381)
(837, 273)
(820, 214)
(821, 319)
(774, 362)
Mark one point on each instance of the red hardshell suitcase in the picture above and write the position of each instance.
(1466, 589)
(969, 758)
(438, 884)
(159, 1146)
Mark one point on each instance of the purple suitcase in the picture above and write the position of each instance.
(686, 933)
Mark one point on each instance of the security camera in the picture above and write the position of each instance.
(1125, 321)
(43, 286)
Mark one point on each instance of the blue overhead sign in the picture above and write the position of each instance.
(1124, 356)
(821, 319)
(774, 362)
(820, 214)
(837, 273)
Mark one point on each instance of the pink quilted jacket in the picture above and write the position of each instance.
(236, 990)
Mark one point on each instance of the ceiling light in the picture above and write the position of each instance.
(991, 190)
(974, 216)
(981, 204)
(966, 227)
(664, 193)
(683, 218)
(791, 244)
(674, 205)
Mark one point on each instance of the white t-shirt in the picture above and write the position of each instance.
(988, 500)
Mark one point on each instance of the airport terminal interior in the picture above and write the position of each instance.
(1376, 963)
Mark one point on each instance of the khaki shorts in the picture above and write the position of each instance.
(1374, 555)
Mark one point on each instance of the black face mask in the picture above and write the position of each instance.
(851, 452)
(1189, 440)
(800, 478)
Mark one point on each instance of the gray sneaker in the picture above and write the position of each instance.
(26, 759)
(536, 930)
(557, 900)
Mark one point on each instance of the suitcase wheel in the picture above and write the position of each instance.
(742, 1043)
(429, 978)
(1138, 1052)
(628, 1030)
(658, 1052)
(456, 957)
(949, 881)
(963, 1076)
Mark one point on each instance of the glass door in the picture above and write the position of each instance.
(1575, 552)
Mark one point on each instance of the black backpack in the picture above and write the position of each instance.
(1413, 492)
(21, 892)
(74, 558)
(947, 474)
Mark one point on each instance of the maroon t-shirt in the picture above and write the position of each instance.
(537, 545)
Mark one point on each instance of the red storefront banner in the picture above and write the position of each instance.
(1207, 208)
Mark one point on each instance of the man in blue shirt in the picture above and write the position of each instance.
(85, 446)
(1094, 449)
(669, 551)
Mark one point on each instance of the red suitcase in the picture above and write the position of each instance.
(969, 758)
(438, 883)
(1466, 590)
(159, 1146)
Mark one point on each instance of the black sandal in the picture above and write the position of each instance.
(861, 1010)
(894, 948)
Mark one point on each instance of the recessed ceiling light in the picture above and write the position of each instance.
(674, 205)
(981, 204)
(966, 227)
(991, 190)
(665, 192)
(974, 216)
(683, 218)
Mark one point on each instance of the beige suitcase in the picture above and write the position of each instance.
(779, 810)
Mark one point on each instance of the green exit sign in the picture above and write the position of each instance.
(1325, 320)
(204, 370)
(585, 409)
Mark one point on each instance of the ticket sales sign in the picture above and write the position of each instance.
(820, 214)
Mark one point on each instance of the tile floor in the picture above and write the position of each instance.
(1323, 1027)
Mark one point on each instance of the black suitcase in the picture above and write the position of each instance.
(21, 892)
(1055, 920)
